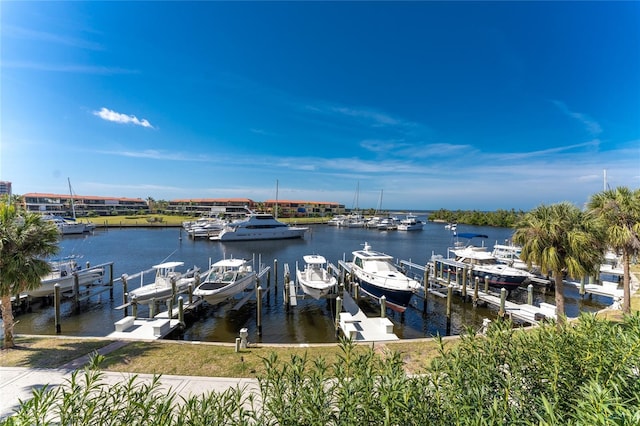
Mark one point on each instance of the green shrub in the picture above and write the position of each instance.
(586, 373)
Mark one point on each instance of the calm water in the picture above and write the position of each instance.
(136, 250)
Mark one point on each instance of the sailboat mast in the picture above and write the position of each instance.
(276, 209)
(73, 207)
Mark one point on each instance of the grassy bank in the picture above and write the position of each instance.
(161, 220)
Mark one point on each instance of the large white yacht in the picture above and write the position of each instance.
(258, 226)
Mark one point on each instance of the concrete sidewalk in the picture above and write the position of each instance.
(18, 383)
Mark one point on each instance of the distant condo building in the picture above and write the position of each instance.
(87, 205)
(84, 205)
(5, 187)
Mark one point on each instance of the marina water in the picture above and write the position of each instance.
(133, 250)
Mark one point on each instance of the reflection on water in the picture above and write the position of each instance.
(311, 321)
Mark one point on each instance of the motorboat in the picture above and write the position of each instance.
(315, 279)
(482, 264)
(225, 279)
(258, 226)
(377, 275)
(410, 223)
(167, 283)
(64, 273)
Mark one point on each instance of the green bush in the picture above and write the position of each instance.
(586, 373)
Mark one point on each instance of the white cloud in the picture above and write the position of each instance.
(116, 117)
(592, 126)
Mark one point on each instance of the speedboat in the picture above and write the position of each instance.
(377, 275)
(258, 226)
(482, 264)
(314, 279)
(64, 273)
(225, 279)
(163, 286)
(410, 223)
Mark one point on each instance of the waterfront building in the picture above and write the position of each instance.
(301, 208)
(82, 205)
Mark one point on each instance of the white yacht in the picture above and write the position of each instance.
(377, 275)
(258, 226)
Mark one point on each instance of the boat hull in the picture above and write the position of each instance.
(396, 299)
(213, 293)
(276, 234)
(496, 277)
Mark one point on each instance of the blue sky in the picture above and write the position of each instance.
(422, 105)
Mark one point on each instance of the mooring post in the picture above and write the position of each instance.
(338, 310)
(191, 289)
(476, 296)
(465, 275)
(530, 294)
(152, 308)
(134, 309)
(503, 299)
(76, 293)
(449, 300)
(170, 308)
(464, 288)
(426, 288)
(441, 269)
(275, 271)
(286, 290)
(181, 311)
(486, 284)
(111, 281)
(356, 288)
(125, 294)
(259, 310)
(383, 306)
(56, 303)
(582, 284)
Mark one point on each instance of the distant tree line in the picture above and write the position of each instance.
(501, 218)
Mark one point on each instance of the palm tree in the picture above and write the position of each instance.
(563, 240)
(24, 241)
(619, 210)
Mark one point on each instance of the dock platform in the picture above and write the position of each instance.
(356, 325)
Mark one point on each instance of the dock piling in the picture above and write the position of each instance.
(503, 298)
(530, 294)
(383, 306)
(259, 310)
(180, 311)
(125, 293)
(56, 302)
